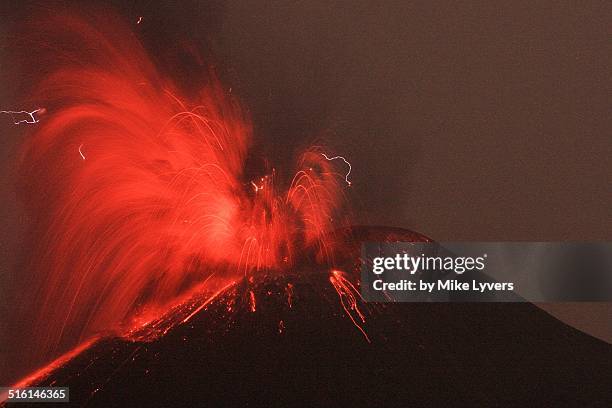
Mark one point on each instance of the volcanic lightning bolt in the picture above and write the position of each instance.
(350, 168)
(22, 116)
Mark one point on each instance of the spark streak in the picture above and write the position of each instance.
(256, 187)
(347, 291)
(252, 301)
(343, 159)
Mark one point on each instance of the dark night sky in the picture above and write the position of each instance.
(477, 121)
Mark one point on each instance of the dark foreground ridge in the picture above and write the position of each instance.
(292, 343)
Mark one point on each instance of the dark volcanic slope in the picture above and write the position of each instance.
(299, 347)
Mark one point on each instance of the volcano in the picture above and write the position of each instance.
(307, 338)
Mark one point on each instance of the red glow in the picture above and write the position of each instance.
(349, 296)
(138, 192)
(289, 290)
(252, 301)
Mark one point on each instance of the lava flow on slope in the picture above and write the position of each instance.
(296, 339)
